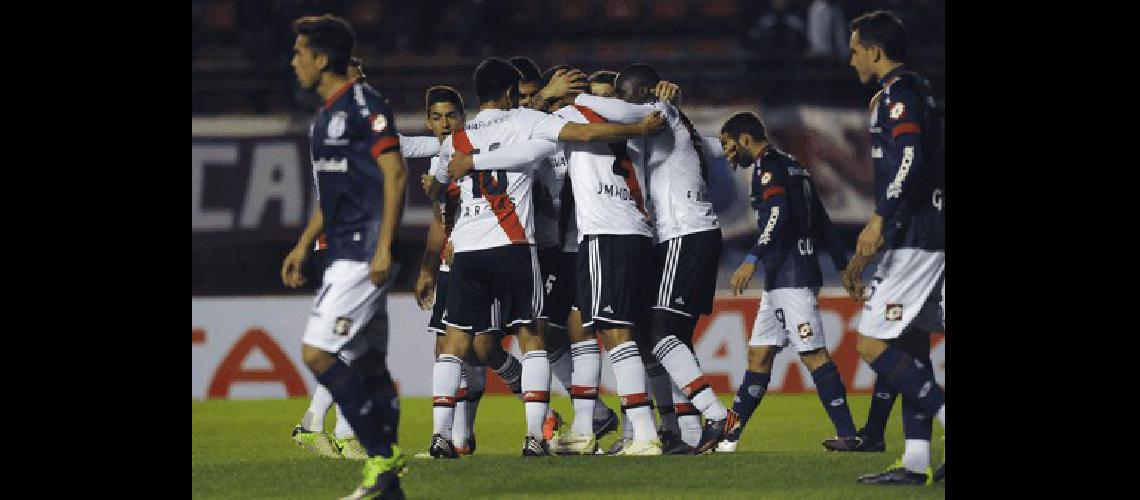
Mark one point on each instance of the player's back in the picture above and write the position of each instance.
(678, 192)
(609, 196)
(495, 205)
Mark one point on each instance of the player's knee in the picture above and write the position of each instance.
(489, 350)
(870, 348)
(317, 360)
(457, 343)
(760, 358)
(815, 358)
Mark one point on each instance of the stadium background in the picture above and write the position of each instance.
(251, 188)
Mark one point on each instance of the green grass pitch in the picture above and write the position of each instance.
(241, 449)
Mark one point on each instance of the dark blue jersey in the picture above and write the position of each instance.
(792, 223)
(906, 147)
(353, 128)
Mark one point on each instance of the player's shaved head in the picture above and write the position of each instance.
(328, 35)
(635, 81)
(493, 78)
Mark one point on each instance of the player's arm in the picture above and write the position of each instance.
(433, 246)
(419, 146)
(563, 82)
(904, 115)
(395, 174)
(518, 157)
(771, 208)
(826, 234)
(652, 124)
(614, 110)
(291, 274)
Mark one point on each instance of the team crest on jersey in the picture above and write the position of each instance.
(894, 312)
(898, 110)
(343, 325)
(766, 178)
(805, 330)
(337, 124)
(379, 123)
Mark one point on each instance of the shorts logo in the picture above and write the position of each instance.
(680, 301)
(343, 325)
(766, 178)
(336, 124)
(894, 312)
(608, 309)
(805, 330)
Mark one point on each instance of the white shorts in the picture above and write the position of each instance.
(909, 289)
(789, 309)
(345, 303)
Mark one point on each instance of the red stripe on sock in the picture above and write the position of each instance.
(685, 409)
(639, 398)
(536, 396)
(442, 401)
(583, 392)
(697, 385)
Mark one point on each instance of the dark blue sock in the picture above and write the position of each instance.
(387, 409)
(911, 377)
(748, 396)
(882, 400)
(351, 392)
(833, 395)
(918, 424)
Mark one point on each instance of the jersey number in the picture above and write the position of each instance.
(621, 154)
(489, 182)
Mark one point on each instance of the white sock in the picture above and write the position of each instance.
(536, 390)
(314, 418)
(629, 373)
(459, 427)
(561, 367)
(476, 382)
(444, 385)
(688, 418)
(942, 417)
(343, 430)
(679, 360)
(586, 359)
(916, 455)
(662, 389)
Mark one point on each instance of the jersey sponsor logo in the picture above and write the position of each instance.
(766, 178)
(343, 325)
(805, 330)
(895, 188)
(898, 110)
(379, 123)
(894, 312)
(766, 236)
(337, 124)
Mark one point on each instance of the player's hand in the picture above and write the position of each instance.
(427, 181)
(652, 124)
(565, 82)
(871, 238)
(460, 164)
(291, 274)
(425, 289)
(448, 252)
(668, 92)
(381, 266)
(742, 277)
(852, 277)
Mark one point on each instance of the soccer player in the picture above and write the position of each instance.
(360, 181)
(908, 290)
(493, 241)
(686, 253)
(531, 81)
(602, 83)
(792, 222)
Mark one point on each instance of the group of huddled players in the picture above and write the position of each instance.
(572, 211)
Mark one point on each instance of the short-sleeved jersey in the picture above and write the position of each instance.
(906, 149)
(495, 206)
(354, 127)
(678, 193)
(554, 224)
(607, 183)
(793, 223)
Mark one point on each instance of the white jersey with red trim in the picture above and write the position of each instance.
(607, 184)
(495, 206)
(678, 194)
(451, 190)
(553, 222)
